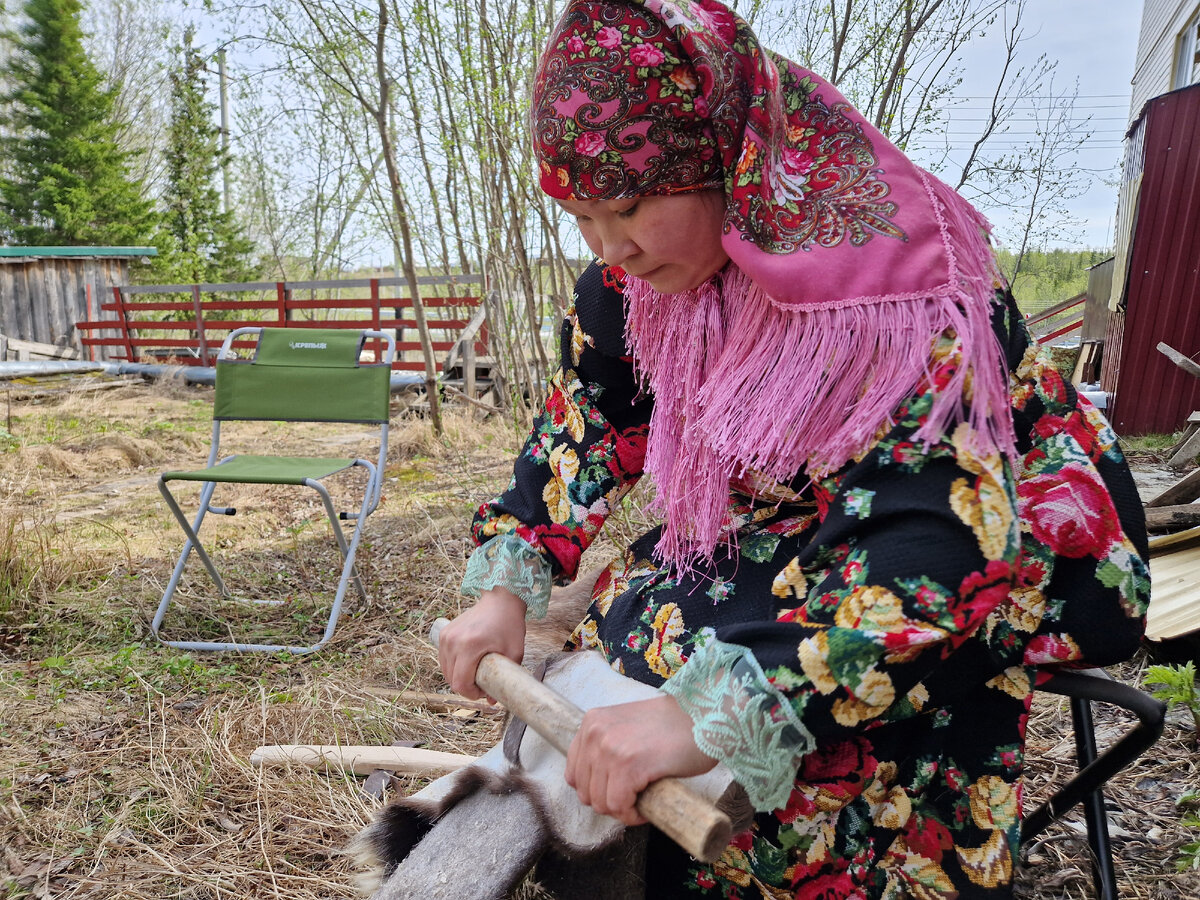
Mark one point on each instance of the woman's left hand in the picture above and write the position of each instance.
(621, 749)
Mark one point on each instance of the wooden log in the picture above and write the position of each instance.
(362, 760)
(31, 394)
(684, 816)
(1185, 490)
(1169, 518)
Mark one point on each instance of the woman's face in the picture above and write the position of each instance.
(671, 241)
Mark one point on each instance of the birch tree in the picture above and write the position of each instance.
(901, 61)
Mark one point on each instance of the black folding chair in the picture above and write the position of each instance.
(1083, 687)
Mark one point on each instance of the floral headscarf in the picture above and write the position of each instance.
(618, 112)
(848, 261)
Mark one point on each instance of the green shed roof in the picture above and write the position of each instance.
(78, 251)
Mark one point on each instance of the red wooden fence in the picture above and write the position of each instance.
(1060, 319)
(189, 332)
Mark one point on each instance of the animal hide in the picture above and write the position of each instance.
(473, 834)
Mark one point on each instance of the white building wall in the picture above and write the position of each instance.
(1162, 23)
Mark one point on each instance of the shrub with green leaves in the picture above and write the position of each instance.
(1177, 688)
(1189, 854)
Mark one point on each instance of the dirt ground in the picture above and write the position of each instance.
(124, 765)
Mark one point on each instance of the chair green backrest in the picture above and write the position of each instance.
(303, 375)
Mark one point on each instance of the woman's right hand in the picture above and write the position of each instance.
(495, 624)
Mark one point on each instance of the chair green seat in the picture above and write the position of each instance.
(265, 470)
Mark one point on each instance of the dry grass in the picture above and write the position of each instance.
(124, 766)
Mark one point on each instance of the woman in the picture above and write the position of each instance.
(881, 509)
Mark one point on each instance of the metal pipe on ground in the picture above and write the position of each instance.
(400, 381)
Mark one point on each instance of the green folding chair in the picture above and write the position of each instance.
(295, 375)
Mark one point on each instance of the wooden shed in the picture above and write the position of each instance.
(44, 291)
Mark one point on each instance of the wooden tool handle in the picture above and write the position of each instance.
(689, 819)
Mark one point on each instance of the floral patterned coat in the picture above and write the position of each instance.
(862, 654)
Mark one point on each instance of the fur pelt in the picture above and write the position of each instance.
(512, 804)
(379, 847)
(545, 637)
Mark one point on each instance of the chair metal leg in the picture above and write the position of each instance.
(348, 550)
(1095, 814)
(337, 529)
(192, 543)
(1095, 768)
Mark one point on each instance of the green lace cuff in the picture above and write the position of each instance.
(742, 720)
(507, 561)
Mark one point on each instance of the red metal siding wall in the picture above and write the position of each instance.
(1163, 293)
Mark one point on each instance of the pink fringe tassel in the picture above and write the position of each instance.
(741, 383)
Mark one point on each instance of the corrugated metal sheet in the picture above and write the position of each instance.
(38, 252)
(1099, 288)
(1127, 202)
(1162, 295)
(1110, 367)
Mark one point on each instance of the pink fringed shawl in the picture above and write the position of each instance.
(847, 260)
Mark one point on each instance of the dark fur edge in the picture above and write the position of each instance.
(384, 844)
(735, 803)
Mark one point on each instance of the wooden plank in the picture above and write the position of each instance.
(8, 275)
(1187, 451)
(1165, 542)
(1185, 490)
(1188, 365)
(1175, 601)
(1057, 308)
(55, 303)
(1069, 327)
(21, 393)
(31, 350)
(23, 304)
(47, 287)
(151, 335)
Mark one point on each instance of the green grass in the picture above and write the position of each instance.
(1149, 443)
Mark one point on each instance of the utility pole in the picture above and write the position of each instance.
(222, 80)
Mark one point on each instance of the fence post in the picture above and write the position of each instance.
(375, 320)
(91, 348)
(119, 296)
(200, 338)
(281, 298)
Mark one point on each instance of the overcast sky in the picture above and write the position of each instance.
(1094, 41)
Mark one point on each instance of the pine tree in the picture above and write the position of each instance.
(67, 179)
(201, 242)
